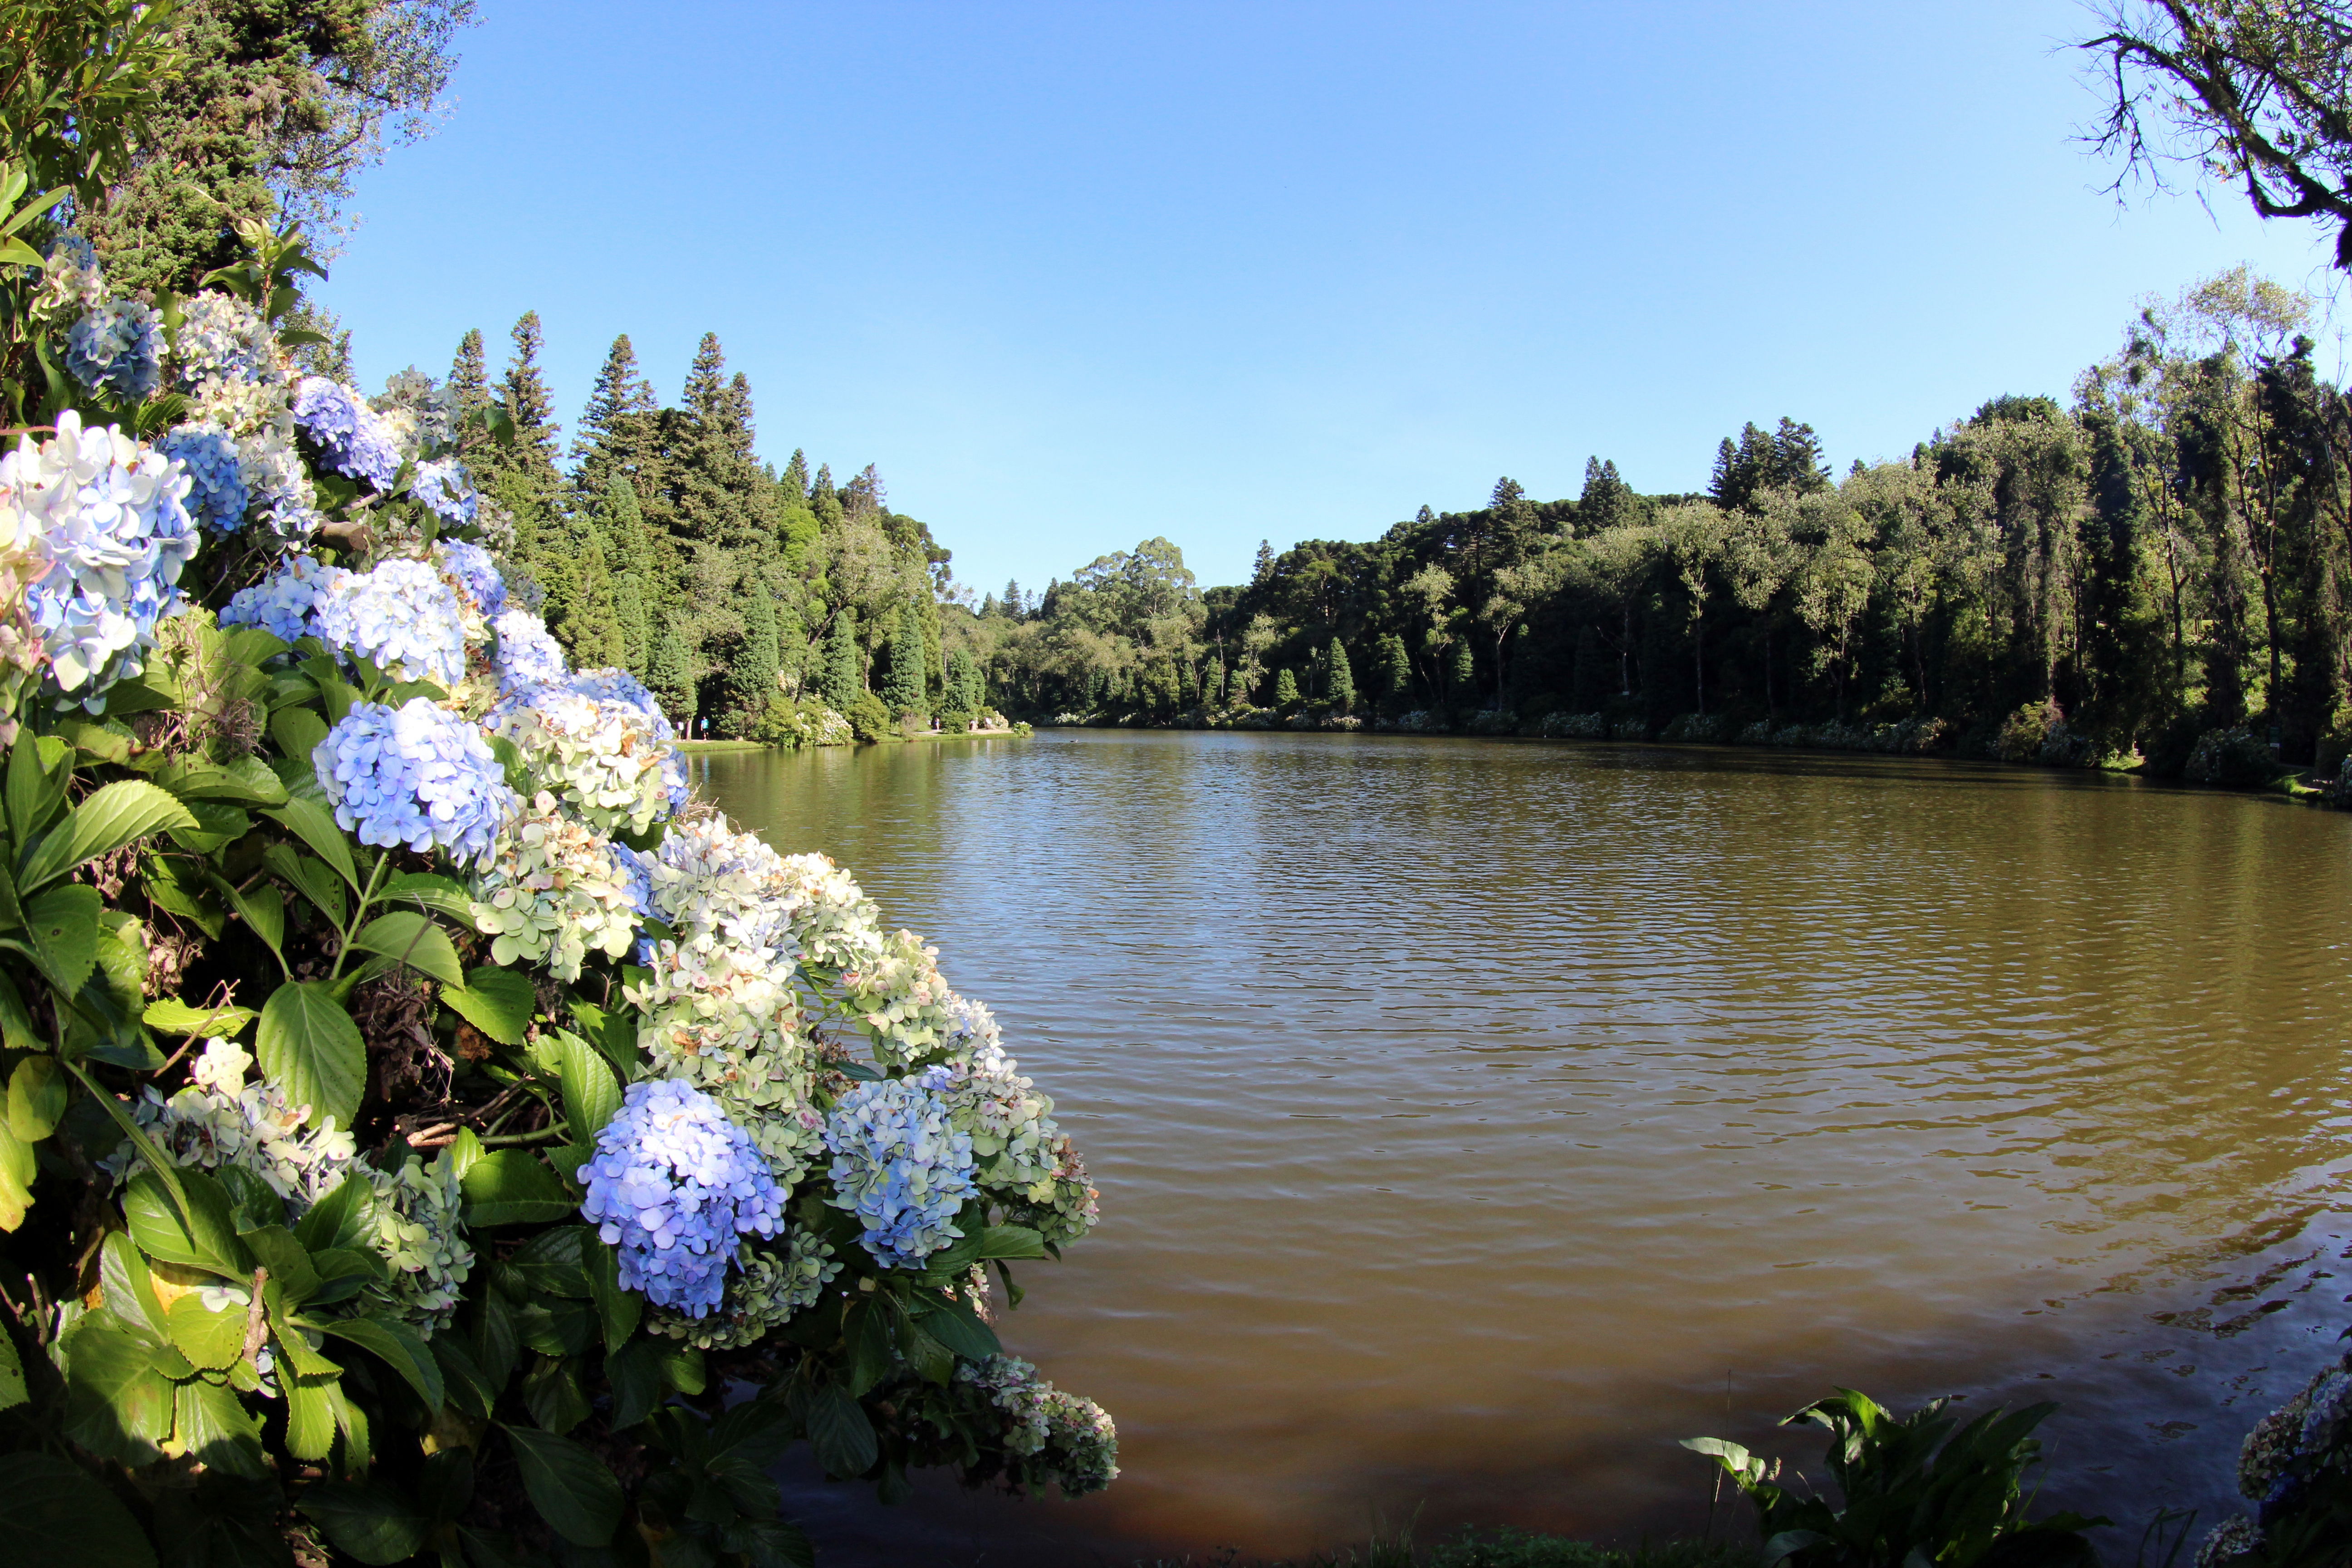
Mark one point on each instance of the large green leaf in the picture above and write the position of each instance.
(371, 1522)
(840, 1433)
(292, 1271)
(218, 826)
(118, 814)
(16, 1018)
(1010, 1241)
(618, 1309)
(498, 1002)
(511, 1186)
(341, 1218)
(212, 1427)
(573, 1490)
(309, 1047)
(54, 1515)
(37, 1097)
(439, 894)
(590, 1093)
(311, 822)
(129, 1291)
(297, 731)
(308, 877)
(117, 1404)
(395, 1345)
(263, 908)
(38, 766)
(12, 1376)
(246, 781)
(555, 1262)
(209, 1340)
(170, 1016)
(309, 1418)
(64, 926)
(415, 940)
(200, 1236)
(957, 1327)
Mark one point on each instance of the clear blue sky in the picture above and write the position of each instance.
(1077, 274)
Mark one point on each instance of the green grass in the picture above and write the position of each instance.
(720, 745)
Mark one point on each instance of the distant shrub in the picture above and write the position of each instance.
(1695, 728)
(1572, 726)
(955, 722)
(869, 718)
(1630, 727)
(913, 724)
(794, 725)
(1415, 721)
(2231, 757)
(2023, 732)
(1493, 721)
(1760, 733)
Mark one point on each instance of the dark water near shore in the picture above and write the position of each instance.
(1474, 1119)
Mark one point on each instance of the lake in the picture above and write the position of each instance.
(1474, 1119)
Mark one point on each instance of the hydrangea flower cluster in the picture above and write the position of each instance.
(552, 892)
(475, 573)
(898, 998)
(401, 615)
(221, 338)
(353, 437)
(601, 757)
(442, 485)
(834, 923)
(728, 1022)
(103, 514)
(526, 655)
(282, 604)
(672, 1184)
(217, 495)
(718, 887)
(222, 1119)
(414, 775)
(71, 283)
(117, 347)
(2289, 1450)
(901, 1165)
(764, 1292)
(1066, 1439)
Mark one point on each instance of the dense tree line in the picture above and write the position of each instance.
(661, 543)
(2167, 553)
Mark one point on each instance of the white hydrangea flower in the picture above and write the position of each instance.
(834, 923)
(1067, 1439)
(718, 887)
(553, 892)
(600, 758)
(898, 998)
(728, 1022)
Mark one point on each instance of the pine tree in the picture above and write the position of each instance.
(1263, 567)
(1396, 668)
(522, 475)
(1213, 682)
(469, 383)
(672, 676)
(632, 625)
(795, 478)
(1339, 679)
(962, 683)
(1013, 597)
(703, 466)
(1285, 689)
(1464, 669)
(842, 681)
(905, 683)
(753, 679)
(616, 427)
(591, 623)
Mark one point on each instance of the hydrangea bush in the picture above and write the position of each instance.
(429, 1133)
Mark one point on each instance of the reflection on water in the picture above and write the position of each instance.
(1472, 1120)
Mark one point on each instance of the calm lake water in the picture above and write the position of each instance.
(1474, 1119)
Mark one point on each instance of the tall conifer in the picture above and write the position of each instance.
(616, 432)
(1340, 681)
(753, 677)
(906, 683)
(672, 676)
(843, 680)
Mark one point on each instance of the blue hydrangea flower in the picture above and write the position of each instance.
(217, 497)
(416, 775)
(282, 602)
(900, 1166)
(641, 878)
(441, 484)
(401, 615)
(673, 1184)
(527, 655)
(221, 338)
(611, 685)
(471, 565)
(117, 347)
(352, 436)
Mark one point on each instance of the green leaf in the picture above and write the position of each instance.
(498, 1002)
(118, 814)
(573, 1490)
(289, 1262)
(415, 940)
(54, 1515)
(309, 878)
(248, 781)
(465, 1150)
(309, 1418)
(611, 1033)
(16, 1018)
(341, 1219)
(117, 1404)
(590, 1093)
(369, 1521)
(840, 1433)
(1010, 1241)
(957, 1327)
(554, 1262)
(511, 1186)
(209, 1423)
(199, 1236)
(311, 822)
(129, 1292)
(170, 1016)
(263, 909)
(309, 1047)
(619, 1310)
(107, 740)
(138, 695)
(395, 1345)
(469, 1387)
(297, 731)
(209, 1340)
(554, 1396)
(38, 766)
(218, 826)
(18, 1167)
(37, 1097)
(12, 1376)
(64, 926)
(178, 886)
(634, 1373)
(439, 894)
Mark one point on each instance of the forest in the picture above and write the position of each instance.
(2162, 556)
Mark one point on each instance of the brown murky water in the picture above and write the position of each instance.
(1474, 1119)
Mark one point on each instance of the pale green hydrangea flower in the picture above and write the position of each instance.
(764, 1292)
(552, 892)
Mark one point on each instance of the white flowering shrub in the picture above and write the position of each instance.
(397, 1057)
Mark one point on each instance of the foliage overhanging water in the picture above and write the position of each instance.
(1472, 1120)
